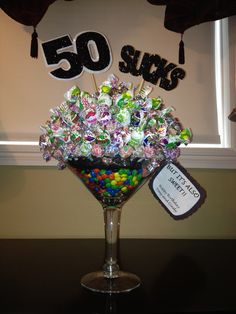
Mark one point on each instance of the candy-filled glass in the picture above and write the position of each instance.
(112, 185)
(113, 140)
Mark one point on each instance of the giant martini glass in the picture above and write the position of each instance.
(131, 133)
(112, 185)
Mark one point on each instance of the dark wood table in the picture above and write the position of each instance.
(178, 276)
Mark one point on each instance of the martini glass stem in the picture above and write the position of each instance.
(112, 215)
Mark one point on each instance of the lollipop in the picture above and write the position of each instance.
(114, 124)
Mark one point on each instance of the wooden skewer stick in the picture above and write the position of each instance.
(141, 86)
(94, 82)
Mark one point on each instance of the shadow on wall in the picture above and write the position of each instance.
(11, 182)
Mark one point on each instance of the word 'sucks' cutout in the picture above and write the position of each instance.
(167, 73)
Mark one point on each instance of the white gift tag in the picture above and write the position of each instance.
(176, 190)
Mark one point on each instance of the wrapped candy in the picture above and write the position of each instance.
(149, 139)
(149, 152)
(105, 99)
(103, 137)
(137, 137)
(137, 117)
(126, 151)
(85, 149)
(104, 116)
(112, 150)
(72, 94)
(114, 125)
(123, 117)
(97, 150)
(89, 136)
(90, 116)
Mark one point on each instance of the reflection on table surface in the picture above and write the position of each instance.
(178, 276)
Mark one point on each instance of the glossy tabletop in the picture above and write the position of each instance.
(178, 276)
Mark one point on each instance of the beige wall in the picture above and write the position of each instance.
(42, 202)
(33, 91)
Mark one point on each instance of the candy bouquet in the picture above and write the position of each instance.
(113, 140)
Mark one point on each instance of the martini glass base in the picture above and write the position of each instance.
(96, 282)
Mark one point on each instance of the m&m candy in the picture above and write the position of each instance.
(107, 183)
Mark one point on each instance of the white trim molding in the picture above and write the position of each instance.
(219, 158)
(22, 155)
(191, 157)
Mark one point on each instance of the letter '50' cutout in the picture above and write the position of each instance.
(90, 52)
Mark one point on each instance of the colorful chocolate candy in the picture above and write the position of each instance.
(107, 183)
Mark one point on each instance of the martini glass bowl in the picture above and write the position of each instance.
(112, 185)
